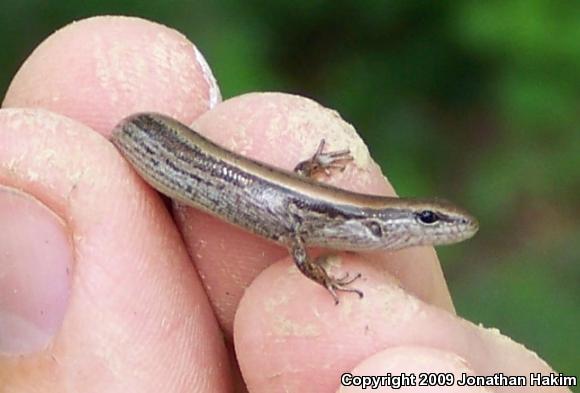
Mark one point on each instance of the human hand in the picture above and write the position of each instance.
(98, 292)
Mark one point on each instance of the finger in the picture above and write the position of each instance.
(98, 293)
(282, 130)
(101, 69)
(289, 328)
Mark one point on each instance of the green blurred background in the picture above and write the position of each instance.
(474, 101)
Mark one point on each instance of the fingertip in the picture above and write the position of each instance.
(289, 327)
(283, 130)
(101, 69)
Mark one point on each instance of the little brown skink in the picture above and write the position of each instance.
(285, 207)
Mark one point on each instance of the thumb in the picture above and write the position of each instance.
(96, 290)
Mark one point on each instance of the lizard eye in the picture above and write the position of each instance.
(375, 228)
(427, 217)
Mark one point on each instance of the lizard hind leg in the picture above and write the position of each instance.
(317, 273)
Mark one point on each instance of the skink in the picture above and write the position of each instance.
(289, 208)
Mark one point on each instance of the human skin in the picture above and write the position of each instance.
(102, 290)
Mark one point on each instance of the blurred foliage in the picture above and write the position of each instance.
(476, 101)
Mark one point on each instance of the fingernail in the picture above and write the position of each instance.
(35, 262)
(215, 96)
